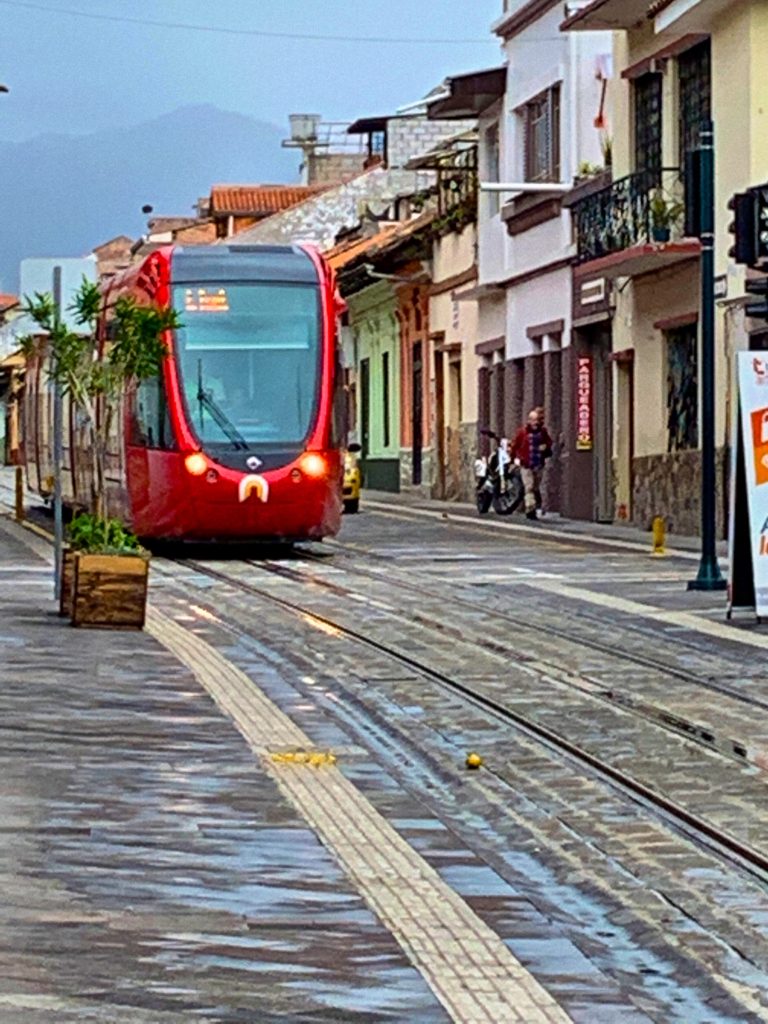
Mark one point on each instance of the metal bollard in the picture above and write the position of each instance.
(659, 535)
(19, 494)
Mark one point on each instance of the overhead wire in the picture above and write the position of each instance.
(229, 30)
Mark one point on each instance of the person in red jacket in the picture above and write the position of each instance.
(532, 447)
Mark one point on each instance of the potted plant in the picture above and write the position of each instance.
(110, 574)
(587, 171)
(104, 582)
(664, 215)
(606, 147)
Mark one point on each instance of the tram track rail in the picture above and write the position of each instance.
(558, 633)
(702, 734)
(680, 819)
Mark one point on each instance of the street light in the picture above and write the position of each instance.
(709, 576)
(4, 88)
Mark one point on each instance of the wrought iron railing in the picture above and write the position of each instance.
(628, 212)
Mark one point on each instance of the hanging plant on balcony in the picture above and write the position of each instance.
(587, 171)
(665, 213)
(606, 147)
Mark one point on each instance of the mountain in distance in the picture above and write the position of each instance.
(62, 195)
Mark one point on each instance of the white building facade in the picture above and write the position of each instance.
(550, 127)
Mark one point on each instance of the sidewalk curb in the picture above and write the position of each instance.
(540, 530)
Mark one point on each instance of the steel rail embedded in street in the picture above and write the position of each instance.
(697, 829)
(680, 726)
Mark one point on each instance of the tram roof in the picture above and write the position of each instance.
(278, 263)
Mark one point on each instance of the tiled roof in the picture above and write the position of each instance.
(259, 199)
(8, 301)
(347, 253)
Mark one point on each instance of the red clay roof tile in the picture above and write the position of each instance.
(260, 199)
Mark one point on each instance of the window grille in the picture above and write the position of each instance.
(541, 120)
(695, 94)
(492, 166)
(682, 389)
(648, 125)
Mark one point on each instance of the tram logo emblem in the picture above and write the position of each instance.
(253, 484)
(253, 462)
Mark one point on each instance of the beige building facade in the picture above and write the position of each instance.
(453, 313)
(677, 64)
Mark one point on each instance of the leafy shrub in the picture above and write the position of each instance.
(94, 534)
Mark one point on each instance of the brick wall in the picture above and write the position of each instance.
(412, 136)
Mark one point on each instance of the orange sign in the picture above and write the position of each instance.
(206, 300)
(760, 445)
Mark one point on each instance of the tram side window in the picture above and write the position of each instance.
(151, 427)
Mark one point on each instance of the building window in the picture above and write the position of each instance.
(377, 146)
(385, 397)
(492, 166)
(648, 123)
(682, 389)
(695, 95)
(541, 136)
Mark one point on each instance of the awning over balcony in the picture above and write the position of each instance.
(470, 95)
(642, 259)
(366, 125)
(607, 14)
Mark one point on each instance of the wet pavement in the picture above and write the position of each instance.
(668, 925)
(150, 870)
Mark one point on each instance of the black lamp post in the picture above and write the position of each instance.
(709, 576)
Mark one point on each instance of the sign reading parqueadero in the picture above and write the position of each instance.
(584, 404)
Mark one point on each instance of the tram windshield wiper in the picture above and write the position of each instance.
(206, 401)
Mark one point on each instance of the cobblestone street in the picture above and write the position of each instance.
(259, 808)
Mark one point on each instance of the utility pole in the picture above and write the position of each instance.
(709, 576)
(58, 451)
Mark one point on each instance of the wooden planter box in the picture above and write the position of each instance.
(67, 579)
(109, 591)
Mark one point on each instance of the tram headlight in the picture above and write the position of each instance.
(196, 464)
(313, 465)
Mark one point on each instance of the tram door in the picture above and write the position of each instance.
(418, 399)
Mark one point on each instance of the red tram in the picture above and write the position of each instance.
(241, 435)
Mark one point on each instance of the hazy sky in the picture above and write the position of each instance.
(75, 74)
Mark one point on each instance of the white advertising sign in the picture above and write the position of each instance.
(753, 415)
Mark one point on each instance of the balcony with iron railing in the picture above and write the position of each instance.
(633, 224)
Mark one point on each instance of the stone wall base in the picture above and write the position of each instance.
(670, 486)
(467, 454)
(425, 488)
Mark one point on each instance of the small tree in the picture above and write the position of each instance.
(95, 374)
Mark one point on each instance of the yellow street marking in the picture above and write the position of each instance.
(314, 758)
(471, 971)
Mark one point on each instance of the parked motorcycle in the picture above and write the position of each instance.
(498, 478)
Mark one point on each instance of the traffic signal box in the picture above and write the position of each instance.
(750, 232)
(757, 286)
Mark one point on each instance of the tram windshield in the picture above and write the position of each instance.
(249, 356)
